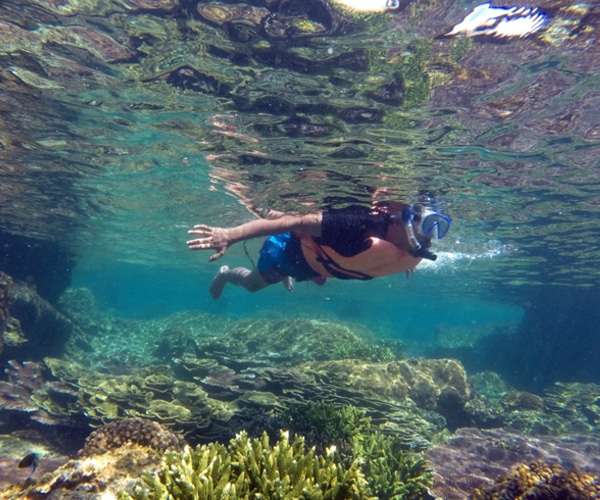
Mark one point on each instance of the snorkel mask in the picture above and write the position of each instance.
(426, 223)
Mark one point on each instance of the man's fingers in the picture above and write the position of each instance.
(216, 256)
(199, 232)
(198, 244)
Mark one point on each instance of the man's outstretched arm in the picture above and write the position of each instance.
(220, 239)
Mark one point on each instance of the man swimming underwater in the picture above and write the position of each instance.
(355, 242)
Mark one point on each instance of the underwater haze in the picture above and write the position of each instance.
(123, 123)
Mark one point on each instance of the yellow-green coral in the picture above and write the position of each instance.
(392, 471)
(327, 422)
(251, 468)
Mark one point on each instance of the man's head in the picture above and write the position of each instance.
(422, 224)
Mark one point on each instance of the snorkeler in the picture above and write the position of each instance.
(355, 242)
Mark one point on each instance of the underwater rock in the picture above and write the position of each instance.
(522, 401)
(121, 346)
(23, 413)
(474, 458)
(45, 328)
(45, 265)
(6, 284)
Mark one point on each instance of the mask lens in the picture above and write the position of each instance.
(436, 225)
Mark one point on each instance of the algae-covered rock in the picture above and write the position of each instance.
(474, 458)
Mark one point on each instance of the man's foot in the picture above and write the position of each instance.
(288, 283)
(219, 282)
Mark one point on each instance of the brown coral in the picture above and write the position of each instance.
(539, 480)
(131, 431)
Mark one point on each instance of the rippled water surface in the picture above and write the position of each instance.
(125, 122)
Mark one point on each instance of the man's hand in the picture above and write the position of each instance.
(211, 238)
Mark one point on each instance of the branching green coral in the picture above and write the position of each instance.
(326, 422)
(393, 472)
(377, 466)
(251, 468)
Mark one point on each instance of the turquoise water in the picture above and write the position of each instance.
(391, 307)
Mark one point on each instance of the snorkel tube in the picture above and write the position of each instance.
(407, 217)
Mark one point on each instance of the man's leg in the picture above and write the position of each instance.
(240, 276)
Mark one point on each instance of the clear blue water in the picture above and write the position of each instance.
(391, 307)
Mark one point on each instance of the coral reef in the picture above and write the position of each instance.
(249, 468)
(140, 459)
(121, 346)
(433, 384)
(563, 409)
(522, 401)
(26, 387)
(113, 458)
(131, 431)
(537, 480)
(252, 468)
(148, 393)
(578, 404)
(474, 458)
(325, 423)
(289, 341)
(391, 470)
(203, 405)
